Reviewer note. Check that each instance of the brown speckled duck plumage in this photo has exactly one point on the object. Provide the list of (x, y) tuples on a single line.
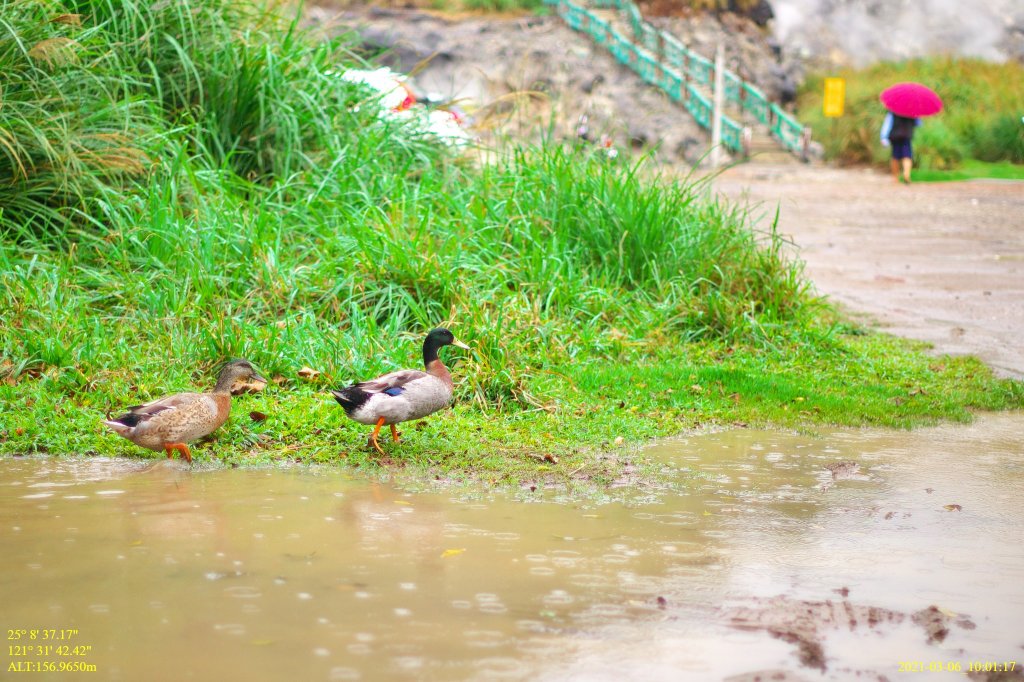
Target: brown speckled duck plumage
[(169, 423)]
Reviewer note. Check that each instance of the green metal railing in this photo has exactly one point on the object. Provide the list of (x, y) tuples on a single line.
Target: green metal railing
[(754, 103), (787, 129), (659, 58)]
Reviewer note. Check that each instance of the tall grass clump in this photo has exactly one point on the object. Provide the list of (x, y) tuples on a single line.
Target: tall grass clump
[(275, 220), (72, 129), (97, 93), (981, 119), (210, 65)]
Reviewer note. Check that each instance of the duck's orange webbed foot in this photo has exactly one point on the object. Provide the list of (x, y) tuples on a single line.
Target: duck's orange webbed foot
[(394, 434), (186, 454), (373, 436)]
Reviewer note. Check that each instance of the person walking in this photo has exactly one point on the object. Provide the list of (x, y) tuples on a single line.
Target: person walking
[(897, 132)]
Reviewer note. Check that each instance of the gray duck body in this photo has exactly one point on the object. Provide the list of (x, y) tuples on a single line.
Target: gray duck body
[(406, 394), (399, 397)]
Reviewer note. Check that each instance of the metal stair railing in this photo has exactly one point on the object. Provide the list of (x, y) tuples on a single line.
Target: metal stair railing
[(662, 60)]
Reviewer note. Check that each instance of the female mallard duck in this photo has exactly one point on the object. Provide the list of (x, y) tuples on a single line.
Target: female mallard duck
[(168, 423), (403, 395)]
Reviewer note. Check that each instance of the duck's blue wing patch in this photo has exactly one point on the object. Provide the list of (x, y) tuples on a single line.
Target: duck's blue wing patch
[(394, 390)]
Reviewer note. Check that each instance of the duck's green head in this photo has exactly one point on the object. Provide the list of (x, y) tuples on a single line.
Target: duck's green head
[(437, 339)]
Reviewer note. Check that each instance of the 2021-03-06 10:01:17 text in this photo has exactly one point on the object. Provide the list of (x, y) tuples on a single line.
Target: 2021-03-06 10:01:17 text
[(956, 666)]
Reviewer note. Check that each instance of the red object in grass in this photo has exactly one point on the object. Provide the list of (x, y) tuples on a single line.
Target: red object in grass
[(410, 98), (912, 100)]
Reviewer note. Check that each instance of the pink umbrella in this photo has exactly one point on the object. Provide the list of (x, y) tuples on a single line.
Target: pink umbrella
[(911, 100)]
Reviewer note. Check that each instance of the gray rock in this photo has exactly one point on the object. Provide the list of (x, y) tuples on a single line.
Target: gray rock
[(488, 61), (815, 152), (865, 31)]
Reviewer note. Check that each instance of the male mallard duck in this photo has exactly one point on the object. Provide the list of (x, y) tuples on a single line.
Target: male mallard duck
[(403, 395), (168, 423)]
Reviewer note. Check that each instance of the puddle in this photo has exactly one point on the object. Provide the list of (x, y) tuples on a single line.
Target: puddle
[(171, 574)]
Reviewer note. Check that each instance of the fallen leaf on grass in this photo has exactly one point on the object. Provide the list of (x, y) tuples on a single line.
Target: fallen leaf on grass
[(452, 552), (257, 416), (240, 387), (547, 457), (308, 373), (953, 507), (11, 378), (54, 51)]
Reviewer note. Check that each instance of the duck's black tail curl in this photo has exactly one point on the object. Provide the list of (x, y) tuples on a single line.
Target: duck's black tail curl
[(351, 398), (129, 419)]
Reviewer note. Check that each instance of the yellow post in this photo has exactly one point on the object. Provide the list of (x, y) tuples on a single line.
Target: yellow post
[(835, 97)]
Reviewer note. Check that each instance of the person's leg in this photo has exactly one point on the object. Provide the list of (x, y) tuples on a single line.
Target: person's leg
[(895, 169), (907, 163)]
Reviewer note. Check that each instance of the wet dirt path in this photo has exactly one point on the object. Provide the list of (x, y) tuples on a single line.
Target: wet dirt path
[(939, 262)]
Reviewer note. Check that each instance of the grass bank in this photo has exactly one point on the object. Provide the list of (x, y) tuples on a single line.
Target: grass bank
[(970, 169), (189, 182), (981, 121)]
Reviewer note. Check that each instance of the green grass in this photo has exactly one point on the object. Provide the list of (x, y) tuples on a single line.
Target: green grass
[(973, 170), (270, 215), (598, 411), (490, 5), (981, 119)]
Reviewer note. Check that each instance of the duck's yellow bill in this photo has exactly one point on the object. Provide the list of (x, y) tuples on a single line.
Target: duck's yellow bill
[(459, 344)]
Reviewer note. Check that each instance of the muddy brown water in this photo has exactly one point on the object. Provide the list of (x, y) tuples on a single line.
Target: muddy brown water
[(164, 573)]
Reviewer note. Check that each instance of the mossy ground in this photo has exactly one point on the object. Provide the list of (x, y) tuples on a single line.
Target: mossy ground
[(972, 170), (589, 435)]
